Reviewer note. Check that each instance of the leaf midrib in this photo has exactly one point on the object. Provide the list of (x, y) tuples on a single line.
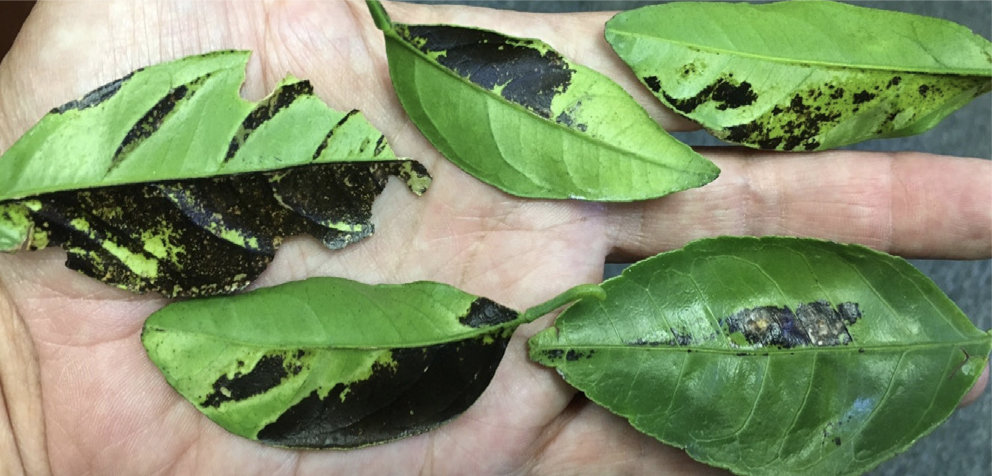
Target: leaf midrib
[(283, 345), (800, 63), (759, 352)]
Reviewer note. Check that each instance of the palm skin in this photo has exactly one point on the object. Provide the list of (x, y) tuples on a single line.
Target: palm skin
[(81, 396)]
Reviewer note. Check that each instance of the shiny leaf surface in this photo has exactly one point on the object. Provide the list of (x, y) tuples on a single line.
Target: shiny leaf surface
[(332, 363), (772, 355), (517, 115), (802, 75)]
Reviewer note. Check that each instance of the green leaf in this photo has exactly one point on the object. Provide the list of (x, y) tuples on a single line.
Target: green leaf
[(206, 236), (332, 363), (182, 119), (166, 180), (802, 75), (517, 115), (772, 355)]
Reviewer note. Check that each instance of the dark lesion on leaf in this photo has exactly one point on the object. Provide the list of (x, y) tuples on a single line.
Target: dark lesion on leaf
[(811, 324), (420, 389), (132, 237), (799, 124), (526, 75), (486, 313), (573, 355), (676, 338), (266, 109), (268, 373), (95, 97), (863, 97), (725, 92), (155, 117), (331, 132), (215, 235), (653, 83)]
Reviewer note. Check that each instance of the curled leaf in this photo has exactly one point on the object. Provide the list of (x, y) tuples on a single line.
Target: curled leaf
[(772, 355), (802, 75), (517, 115), (332, 363)]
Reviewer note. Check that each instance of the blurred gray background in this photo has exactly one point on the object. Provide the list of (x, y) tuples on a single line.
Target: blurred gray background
[(963, 445)]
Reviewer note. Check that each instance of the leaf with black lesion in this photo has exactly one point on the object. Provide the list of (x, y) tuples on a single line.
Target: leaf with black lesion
[(821, 357), (215, 235), (779, 85), (518, 115), (333, 363), (187, 189)]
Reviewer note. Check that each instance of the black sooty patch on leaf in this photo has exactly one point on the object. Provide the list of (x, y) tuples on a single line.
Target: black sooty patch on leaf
[(653, 83), (797, 124), (131, 236), (486, 313), (214, 235), (154, 117), (677, 338), (811, 324), (346, 211), (726, 92), (863, 97), (95, 97), (420, 389), (280, 99), (268, 373), (526, 75), (847, 110), (331, 131), (574, 355)]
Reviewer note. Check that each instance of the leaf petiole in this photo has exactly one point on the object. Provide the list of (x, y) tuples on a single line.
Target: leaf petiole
[(577, 293), (379, 15)]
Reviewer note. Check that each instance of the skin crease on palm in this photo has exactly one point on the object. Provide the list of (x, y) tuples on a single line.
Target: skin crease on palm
[(81, 397)]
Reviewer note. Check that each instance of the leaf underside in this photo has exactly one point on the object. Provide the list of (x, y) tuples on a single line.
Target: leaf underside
[(519, 116), (819, 87), (331, 363), (772, 355), (208, 236)]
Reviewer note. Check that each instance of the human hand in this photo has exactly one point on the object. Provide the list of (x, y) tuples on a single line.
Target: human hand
[(82, 397)]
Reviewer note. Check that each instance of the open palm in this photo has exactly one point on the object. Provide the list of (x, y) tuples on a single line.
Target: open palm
[(82, 397)]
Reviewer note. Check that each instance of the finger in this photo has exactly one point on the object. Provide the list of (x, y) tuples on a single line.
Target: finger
[(977, 389), (910, 204), (22, 426), (577, 36)]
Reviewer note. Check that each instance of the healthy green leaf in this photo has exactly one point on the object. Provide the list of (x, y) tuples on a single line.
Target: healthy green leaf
[(772, 356), (517, 115), (205, 236), (802, 75), (182, 119), (332, 363)]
